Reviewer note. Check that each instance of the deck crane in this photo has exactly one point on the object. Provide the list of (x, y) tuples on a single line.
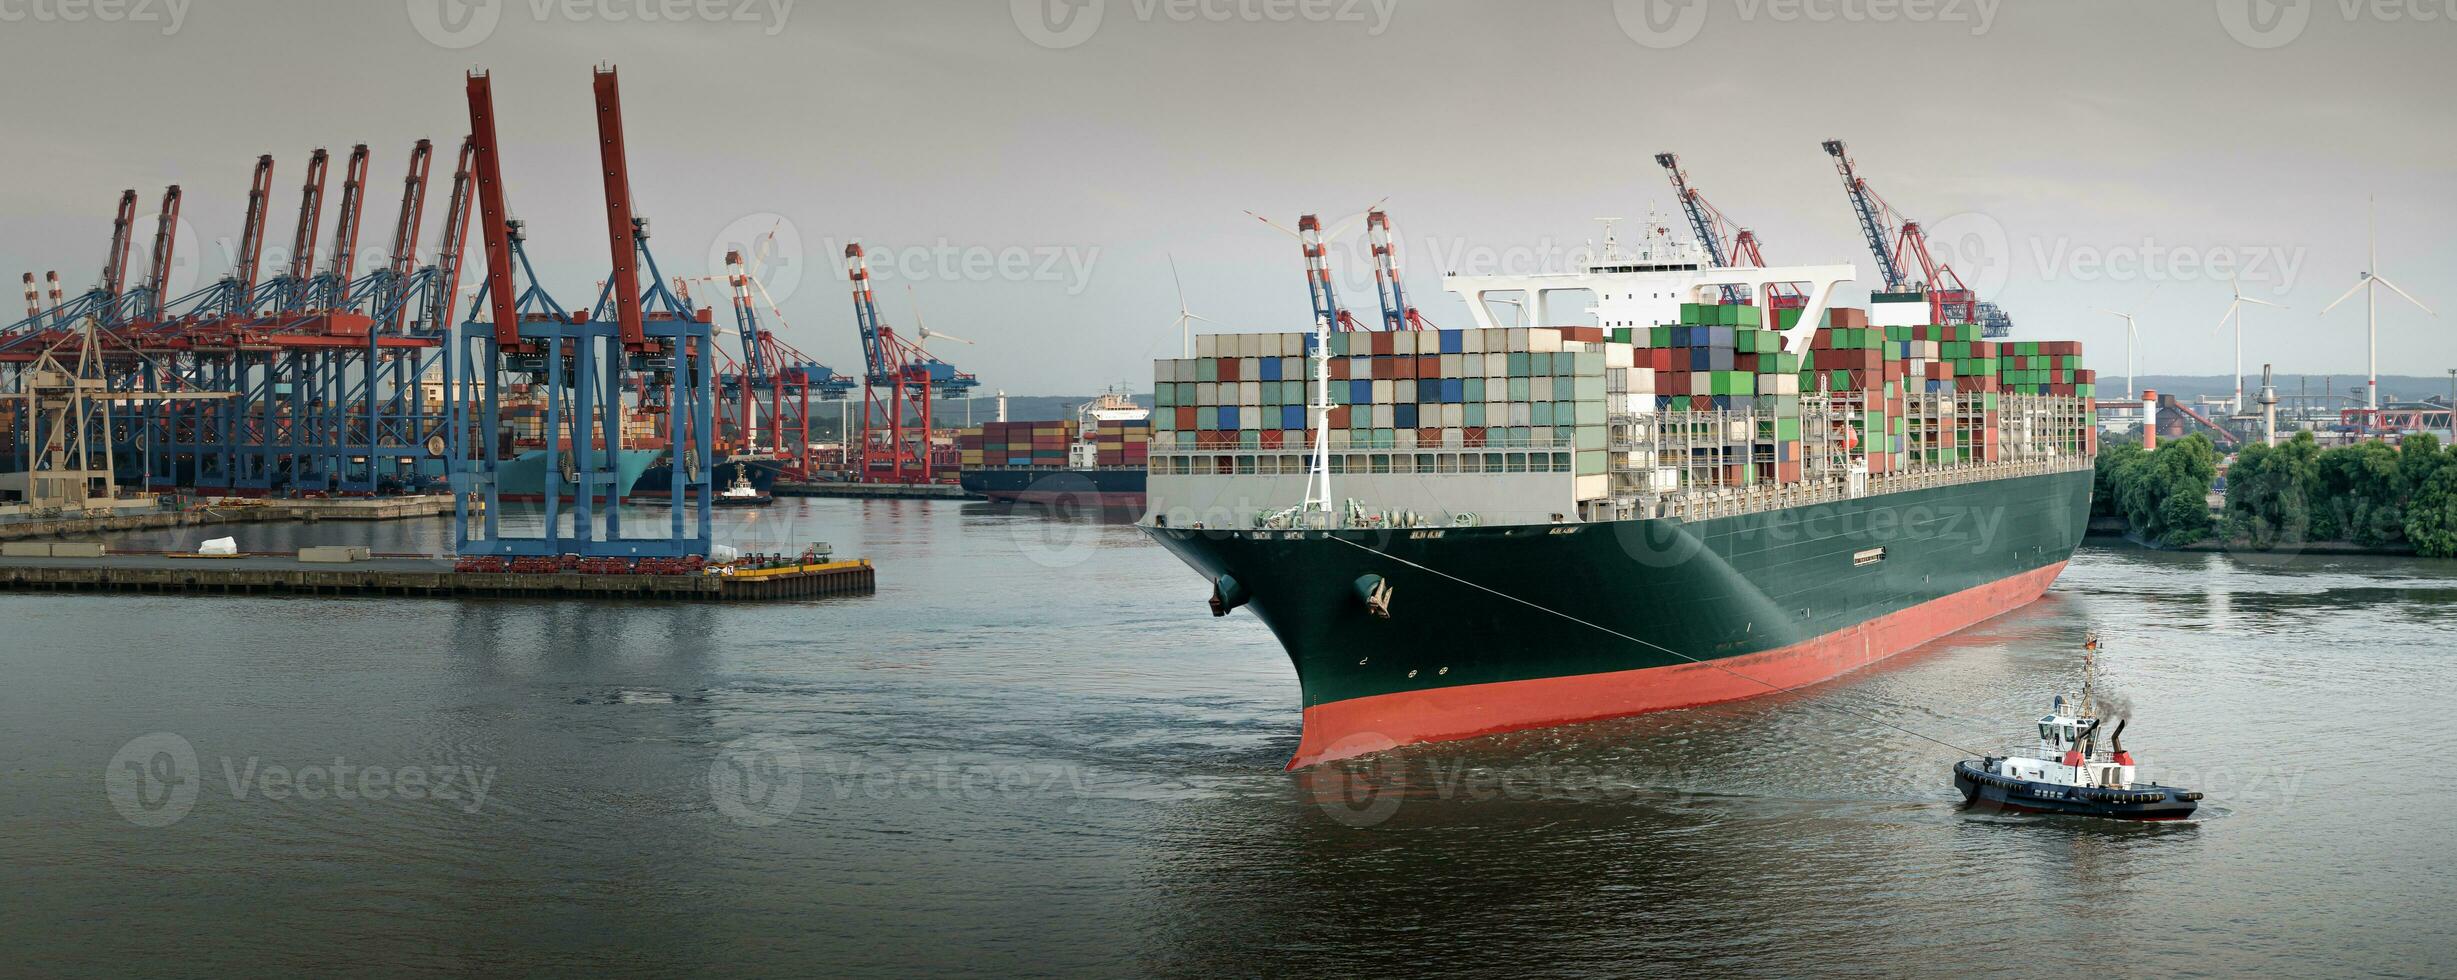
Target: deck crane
[(1727, 243), (1895, 239), (1396, 313), (898, 382), (637, 333), (1318, 275)]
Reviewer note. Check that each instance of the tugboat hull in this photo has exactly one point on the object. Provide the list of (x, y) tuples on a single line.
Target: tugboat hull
[(1982, 788)]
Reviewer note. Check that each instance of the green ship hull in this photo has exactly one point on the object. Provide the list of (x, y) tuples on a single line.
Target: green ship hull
[(1492, 629)]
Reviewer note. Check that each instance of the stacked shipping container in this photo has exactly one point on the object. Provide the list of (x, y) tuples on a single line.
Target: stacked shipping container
[(1115, 442), (1712, 400)]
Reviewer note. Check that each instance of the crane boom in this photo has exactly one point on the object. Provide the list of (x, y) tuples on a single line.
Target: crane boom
[(622, 231), (346, 223), (493, 225), (115, 265), (1396, 313), (251, 235), (1876, 217), (166, 233), (311, 217), (446, 297)]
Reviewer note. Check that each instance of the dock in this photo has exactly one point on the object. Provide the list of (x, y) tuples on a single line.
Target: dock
[(412, 576), (20, 526), (873, 491)]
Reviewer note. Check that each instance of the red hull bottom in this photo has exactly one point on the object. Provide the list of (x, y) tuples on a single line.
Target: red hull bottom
[(1360, 726)]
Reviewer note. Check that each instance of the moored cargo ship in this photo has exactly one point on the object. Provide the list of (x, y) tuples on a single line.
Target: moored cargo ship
[(1480, 530), (1098, 460)]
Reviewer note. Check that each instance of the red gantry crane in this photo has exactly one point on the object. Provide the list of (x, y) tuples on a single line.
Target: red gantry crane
[(899, 379), (1949, 301)]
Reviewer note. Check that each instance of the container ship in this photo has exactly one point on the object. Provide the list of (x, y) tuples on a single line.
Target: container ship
[(1463, 532), (1097, 460)]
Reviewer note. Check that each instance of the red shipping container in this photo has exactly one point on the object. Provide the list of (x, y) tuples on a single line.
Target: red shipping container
[(1381, 343), (1339, 416), (1385, 368), (1185, 419), (1474, 437), (1429, 365), (1228, 369), (1339, 369), (1426, 438), (1271, 439)]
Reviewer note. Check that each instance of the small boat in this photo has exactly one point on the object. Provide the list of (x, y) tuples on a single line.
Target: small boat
[(2070, 775), (743, 493)]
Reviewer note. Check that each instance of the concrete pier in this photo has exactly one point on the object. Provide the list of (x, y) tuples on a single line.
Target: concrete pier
[(876, 491), (21, 526), (286, 575)]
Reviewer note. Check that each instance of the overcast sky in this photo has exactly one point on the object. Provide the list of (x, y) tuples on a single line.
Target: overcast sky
[(1030, 171)]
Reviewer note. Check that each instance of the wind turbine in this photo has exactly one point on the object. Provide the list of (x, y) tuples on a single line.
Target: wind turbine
[(924, 329), (2132, 336), (2371, 308), (2236, 310), (1186, 317)]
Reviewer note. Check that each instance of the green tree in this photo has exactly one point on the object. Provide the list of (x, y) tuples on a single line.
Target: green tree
[(2163, 494), (2365, 489), (2431, 518), (2270, 489), (2112, 458)]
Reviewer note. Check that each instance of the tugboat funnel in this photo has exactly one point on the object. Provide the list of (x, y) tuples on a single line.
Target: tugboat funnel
[(1227, 594)]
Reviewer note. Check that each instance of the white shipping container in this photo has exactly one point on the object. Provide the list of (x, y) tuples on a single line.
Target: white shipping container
[(1404, 342), (1207, 345), (1250, 418), (1619, 356), (1382, 415), (1249, 368), (1404, 391), (1206, 393), (1454, 415), (1516, 340), (1249, 393), (1594, 487), (1383, 395), (1543, 340), (1339, 438), (1471, 341), (1449, 366), (1521, 414), (1496, 365), (1403, 439)]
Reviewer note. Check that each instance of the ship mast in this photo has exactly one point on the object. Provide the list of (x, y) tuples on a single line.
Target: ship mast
[(1318, 476)]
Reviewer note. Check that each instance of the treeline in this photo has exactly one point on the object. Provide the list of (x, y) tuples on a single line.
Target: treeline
[(2368, 493), (2162, 494)]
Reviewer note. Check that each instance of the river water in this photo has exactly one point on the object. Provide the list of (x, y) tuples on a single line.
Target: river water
[(1035, 751)]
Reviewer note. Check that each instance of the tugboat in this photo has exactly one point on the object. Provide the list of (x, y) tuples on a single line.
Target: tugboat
[(743, 492), (2069, 775)]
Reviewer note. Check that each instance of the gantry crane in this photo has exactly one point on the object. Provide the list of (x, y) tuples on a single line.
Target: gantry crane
[(899, 379), (1893, 238), (638, 335), (1728, 244), (1396, 313)]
